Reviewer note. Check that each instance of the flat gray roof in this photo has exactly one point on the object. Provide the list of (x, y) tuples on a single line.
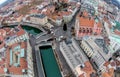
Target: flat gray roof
[(39, 15)]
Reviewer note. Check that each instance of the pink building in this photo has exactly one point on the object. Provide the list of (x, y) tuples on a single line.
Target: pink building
[(86, 25)]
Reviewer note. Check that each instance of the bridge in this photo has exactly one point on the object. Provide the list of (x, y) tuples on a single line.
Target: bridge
[(45, 44), (41, 34), (38, 26), (43, 38)]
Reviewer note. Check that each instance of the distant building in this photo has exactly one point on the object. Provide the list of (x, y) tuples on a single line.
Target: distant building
[(114, 44), (76, 59), (58, 15), (39, 19), (85, 25), (93, 3), (110, 8)]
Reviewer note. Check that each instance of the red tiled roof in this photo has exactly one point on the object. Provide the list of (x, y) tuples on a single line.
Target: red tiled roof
[(2, 70), (14, 45), (112, 64), (20, 32), (110, 73), (85, 13), (117, 32), (19, 7), (2, 32), (99, 24), (65, 12), (82, 75), (86, 22), (2, 42), (5, 63), (13, 69), (88, 69), (106, 63), (63, 1), (56, 16), (105, 74), (72, 3), (7, 29), (117, 63), (34, 11)]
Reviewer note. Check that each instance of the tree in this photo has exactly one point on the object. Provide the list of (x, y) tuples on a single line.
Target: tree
[(0, 42), (65, 27)]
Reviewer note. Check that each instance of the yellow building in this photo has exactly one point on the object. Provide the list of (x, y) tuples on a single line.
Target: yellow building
[(39, 19)]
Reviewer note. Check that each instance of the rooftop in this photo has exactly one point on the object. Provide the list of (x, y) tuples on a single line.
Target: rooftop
[(13, 60), (39, 16), (101, 44), (76, 58), (110, 73), (58, 14), (87, 21)]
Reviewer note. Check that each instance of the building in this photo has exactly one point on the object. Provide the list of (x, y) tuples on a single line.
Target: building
[(112, 32), (58, 13), (56, 18), (118, 17), (86, 25), (111, 8), (39, 19), (76, 59), (15, 53), (97, 51), (2, 32), (71, 11), (21, 35), (93, 3), (112, 66)]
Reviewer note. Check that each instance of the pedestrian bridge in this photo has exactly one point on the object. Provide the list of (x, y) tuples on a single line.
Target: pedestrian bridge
[(29, 24), (44, 38)]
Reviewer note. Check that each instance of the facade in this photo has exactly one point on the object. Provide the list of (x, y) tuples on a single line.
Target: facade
[(15, 53), (107, 29), (30, 61), (114, 43), (67, 17), (39, 19), (85, 25), (76, 59)]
